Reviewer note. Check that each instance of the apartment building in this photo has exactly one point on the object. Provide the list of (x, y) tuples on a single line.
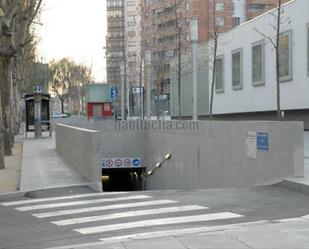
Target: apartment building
[(133, 56), (123, 49), (115, 40), (258, 7)]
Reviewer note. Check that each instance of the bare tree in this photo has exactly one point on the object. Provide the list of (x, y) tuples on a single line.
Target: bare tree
[(66, 78), (275, 42), (81, 75), (179, 30), (215, 48), (159, 49), (15, 20)]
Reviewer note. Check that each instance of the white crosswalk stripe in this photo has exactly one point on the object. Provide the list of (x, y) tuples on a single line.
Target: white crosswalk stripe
[(102, 208), (129, 214), (15, 203), (74, 203), (113, 212), (158, 222)]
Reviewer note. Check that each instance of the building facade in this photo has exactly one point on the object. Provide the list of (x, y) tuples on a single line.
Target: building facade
[(162, 27), (133, 56), (124, 51), (115, 40), (166, 33), (246, 74)]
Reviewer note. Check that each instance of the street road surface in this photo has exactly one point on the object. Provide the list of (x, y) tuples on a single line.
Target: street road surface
[(91, 217)]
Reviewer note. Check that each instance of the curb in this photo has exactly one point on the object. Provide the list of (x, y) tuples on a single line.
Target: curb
[(297, 186)]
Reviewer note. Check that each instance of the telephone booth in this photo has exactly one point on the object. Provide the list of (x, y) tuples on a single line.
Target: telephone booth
[(44, 111)]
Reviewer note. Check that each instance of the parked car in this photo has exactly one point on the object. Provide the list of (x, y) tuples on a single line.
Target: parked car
[(59, 115)]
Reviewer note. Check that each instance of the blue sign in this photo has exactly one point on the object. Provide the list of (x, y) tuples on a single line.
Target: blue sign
[(136, 162), (114, 93), (262, 141), (37, 89), (124, 162)]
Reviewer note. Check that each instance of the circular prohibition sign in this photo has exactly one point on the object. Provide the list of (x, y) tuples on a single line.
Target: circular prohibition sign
[(109, 163)]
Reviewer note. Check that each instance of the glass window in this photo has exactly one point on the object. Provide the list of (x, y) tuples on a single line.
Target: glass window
[(237, 69), (236, 21), (187, 6), (285, 56), (220, 21), (258, 63), (219, 74), (131, 3), (219, 6), (131, 23), (257, 7)]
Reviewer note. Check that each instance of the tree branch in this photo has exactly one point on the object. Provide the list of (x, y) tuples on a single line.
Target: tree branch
[(266, 37), (38, 6)]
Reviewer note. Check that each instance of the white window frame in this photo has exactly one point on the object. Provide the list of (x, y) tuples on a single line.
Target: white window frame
[(307, 34), (220, 90), (290, 76), (240, 86), (261, 82)]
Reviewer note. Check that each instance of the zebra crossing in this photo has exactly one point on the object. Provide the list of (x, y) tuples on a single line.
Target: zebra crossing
[(101, 213)]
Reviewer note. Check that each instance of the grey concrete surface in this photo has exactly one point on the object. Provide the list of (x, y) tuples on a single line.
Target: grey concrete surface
[(301, 183), (212, 156), (215, 155), (81, 147), (306, 144), (43, 167)]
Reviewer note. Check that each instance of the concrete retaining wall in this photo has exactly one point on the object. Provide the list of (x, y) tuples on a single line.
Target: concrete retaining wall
[(215, 155), (82, 148), (212, 156)]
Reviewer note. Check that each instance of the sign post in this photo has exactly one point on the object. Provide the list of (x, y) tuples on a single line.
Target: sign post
[(114, 96), (37, 92)]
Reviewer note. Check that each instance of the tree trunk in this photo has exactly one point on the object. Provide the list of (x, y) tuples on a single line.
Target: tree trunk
[(62, 105), (279, 116), (214, 60), (179, 74), (213, 79), (16, 109), (6, 105), (2, 164)]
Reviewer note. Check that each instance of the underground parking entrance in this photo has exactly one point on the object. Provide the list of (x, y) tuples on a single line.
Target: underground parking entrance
[(123, 179)]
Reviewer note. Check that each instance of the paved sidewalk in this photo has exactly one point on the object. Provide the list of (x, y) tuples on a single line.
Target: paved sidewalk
[(43, 167), (10, 175), (281, 234)]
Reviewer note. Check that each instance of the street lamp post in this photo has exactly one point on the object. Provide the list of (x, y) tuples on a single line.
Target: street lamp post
[(79, 99), (194, 40), (148, 84)]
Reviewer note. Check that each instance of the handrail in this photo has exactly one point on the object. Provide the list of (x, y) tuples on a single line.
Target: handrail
[(158, 165)]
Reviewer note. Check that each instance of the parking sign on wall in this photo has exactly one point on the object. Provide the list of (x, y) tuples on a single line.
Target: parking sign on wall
[(124, 162)]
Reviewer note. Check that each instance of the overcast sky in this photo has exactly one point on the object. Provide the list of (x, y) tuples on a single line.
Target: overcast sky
[(76, 29)]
